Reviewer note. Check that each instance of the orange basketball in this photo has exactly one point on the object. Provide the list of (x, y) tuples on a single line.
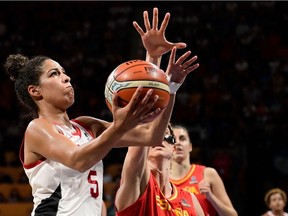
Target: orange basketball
[(125, 79)]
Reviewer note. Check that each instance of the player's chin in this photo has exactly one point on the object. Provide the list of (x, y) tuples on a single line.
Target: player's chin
[(67, 103), (71, 100)]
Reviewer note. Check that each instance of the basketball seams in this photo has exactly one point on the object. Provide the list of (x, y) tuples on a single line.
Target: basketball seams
[(108, 92), (132, 66), (117, 86)]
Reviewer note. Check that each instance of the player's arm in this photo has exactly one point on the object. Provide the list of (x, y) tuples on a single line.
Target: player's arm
[(103, 209), (154, 39), (134, 177), (198, 209), (177, 71), (144, 134), (156, 45), (214, 189), (42, 139), (135, 173)]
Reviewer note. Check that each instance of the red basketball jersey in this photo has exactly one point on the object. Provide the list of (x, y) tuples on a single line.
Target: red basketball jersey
[(153, 202), (190, 183)]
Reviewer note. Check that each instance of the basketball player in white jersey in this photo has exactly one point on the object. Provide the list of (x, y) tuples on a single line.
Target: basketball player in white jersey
[(62, 157)]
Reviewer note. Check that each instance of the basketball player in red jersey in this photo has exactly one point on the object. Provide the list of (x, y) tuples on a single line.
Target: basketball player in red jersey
[(203, 181), (145, 188)]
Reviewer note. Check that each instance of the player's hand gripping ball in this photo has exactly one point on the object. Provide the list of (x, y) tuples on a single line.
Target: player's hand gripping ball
[(125, 79)]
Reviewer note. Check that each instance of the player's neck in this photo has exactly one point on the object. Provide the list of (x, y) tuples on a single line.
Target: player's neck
[(61, 119), (179, 170), (162, 175), (155, 168)]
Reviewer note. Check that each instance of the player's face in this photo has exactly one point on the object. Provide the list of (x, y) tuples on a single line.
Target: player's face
[(55, 88), (183, 146), (165, 149)]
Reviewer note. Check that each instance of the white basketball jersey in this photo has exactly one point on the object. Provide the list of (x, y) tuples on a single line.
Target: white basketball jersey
[(62, 191)]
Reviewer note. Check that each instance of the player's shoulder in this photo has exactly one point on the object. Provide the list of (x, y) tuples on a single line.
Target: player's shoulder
[(211, 171), (40, 126), (38, 123)]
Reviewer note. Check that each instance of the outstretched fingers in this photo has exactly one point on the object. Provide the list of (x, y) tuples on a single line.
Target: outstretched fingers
[(164, 23), (141, 107), (182, 58), (186, 64), (191, 68), (143, 104), (136, 96), (146, 21), (146, 97), (155, 19), (138, 28), (172, 55), (177, 71), (189, 62), (146, 108)]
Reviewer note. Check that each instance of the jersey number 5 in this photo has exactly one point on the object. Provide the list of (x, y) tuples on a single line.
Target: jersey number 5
[(94, 190)]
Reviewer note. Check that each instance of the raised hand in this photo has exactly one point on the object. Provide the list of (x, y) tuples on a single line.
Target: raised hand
[(154, 39), (177, 71)]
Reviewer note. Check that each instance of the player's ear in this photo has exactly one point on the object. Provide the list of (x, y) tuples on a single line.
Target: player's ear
[(34, 91), (190, 147)]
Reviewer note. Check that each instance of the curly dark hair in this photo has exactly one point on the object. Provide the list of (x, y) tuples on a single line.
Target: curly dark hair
[(24, 72)]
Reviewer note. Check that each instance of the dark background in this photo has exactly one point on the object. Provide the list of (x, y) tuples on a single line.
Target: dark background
[(235, 104)]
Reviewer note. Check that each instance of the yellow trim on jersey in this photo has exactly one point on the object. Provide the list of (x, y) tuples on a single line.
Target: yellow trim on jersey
[(187, 176), (175, 193)]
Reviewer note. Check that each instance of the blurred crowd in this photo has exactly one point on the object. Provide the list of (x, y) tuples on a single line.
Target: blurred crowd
[(235, 104)]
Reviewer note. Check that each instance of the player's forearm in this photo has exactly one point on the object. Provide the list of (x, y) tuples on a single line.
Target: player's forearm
[(220, 207), (159, 125), (154, 60), (88, 155)]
